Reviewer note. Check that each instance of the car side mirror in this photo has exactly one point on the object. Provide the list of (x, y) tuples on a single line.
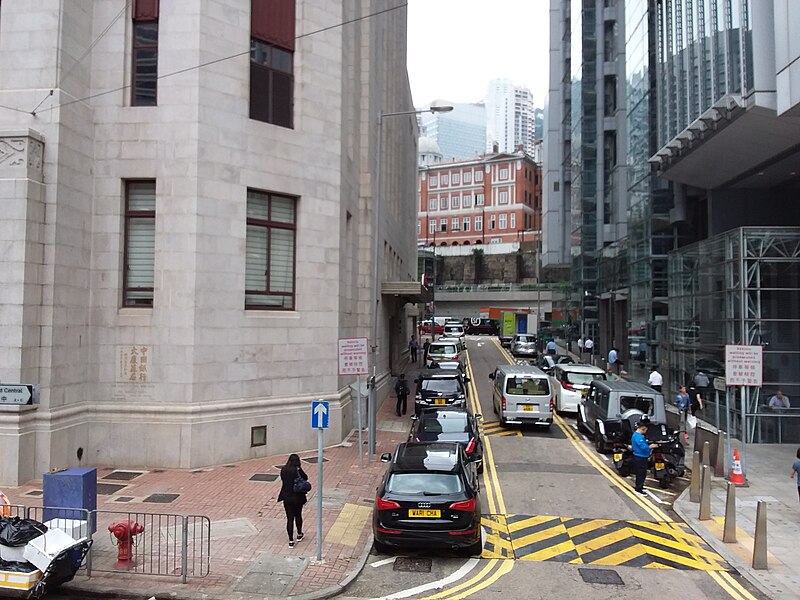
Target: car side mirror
[(478, 416), (386, 457)]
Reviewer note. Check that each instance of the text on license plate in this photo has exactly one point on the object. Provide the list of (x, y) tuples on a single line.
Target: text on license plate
[(529, 407), (440, 401), (618, 457), (425, 513), (659, 466)]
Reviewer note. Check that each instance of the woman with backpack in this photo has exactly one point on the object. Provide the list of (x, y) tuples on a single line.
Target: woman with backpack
[(294, 487)]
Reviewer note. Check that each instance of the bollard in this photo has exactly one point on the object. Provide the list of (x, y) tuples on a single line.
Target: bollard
[(705, 495), (719, 467), (705, 457), (760, 542), (694, 486), (729, 533)]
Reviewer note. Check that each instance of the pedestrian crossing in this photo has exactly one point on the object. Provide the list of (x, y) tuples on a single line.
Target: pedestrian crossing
[(494, 429), (645, 544)]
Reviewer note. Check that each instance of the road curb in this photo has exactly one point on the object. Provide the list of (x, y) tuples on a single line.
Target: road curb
[(682, 507), (346, 582)]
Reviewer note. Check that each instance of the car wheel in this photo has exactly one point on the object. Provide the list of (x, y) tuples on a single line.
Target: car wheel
[(623, 471), (598, 441), (381, 548), (475, 549), (579, 421), (480, 468)]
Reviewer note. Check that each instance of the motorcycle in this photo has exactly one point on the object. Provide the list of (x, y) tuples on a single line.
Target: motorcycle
[(666, 459)]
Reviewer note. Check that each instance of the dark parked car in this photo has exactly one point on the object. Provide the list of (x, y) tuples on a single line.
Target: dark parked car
[(450, 425), (440, 387), (547, 362), (428, 499), (477, 326)]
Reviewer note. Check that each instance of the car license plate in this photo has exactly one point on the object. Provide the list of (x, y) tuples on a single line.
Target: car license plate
[(584, 393), (659, 466), (529, 407), (617, 456), (440, 401), (424, 513)]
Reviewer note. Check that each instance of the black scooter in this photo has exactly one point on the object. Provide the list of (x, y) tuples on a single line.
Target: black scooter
[(666, 460)]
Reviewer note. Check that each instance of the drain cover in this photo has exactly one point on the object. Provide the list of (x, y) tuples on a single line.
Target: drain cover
[(123, 475), (606, 576), (412, 565), (106, 489), (313, 459), (264, 477), (161, 498)]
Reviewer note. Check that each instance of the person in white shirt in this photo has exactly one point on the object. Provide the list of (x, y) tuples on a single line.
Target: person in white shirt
[(580, 347), (655, 380), (779, 400), (588, 346)]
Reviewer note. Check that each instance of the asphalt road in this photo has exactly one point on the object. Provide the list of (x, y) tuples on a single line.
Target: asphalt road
[(558, 523)]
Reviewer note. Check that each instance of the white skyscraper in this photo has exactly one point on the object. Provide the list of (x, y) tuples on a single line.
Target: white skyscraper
[(509, 117)]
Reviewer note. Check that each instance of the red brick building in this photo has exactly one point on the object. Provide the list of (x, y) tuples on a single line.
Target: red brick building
[(490, 199)]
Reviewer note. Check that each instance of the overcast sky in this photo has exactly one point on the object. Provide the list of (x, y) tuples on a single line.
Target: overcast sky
[(455, 47)]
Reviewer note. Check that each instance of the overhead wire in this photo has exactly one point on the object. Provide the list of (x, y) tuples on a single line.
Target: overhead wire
[(84, 55), (225, 58)]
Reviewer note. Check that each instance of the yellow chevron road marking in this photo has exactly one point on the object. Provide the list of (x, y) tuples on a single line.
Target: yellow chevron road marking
[(603, 541), (540, 536), (588, 526), (529, 522)]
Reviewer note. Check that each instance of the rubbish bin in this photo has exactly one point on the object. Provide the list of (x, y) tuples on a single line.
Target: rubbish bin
[(71, 488)]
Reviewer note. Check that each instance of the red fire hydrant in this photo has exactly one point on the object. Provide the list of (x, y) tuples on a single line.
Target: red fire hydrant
[(125, 531)]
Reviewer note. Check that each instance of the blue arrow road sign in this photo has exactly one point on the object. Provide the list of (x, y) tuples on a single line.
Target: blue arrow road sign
[(319, 414)]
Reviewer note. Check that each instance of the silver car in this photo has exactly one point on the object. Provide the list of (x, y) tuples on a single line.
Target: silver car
[(524, 344)]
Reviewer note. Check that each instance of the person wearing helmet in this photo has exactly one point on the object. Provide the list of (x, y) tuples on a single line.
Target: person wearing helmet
[(641, 454)]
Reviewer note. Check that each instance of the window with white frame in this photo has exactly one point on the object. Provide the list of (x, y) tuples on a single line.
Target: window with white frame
[(456, 178), (513, 221), (443, 203), (492, 222), (432, 204), (502, 221), (443, 225), (502, 197), (466, 201), (479, 200), (466, 223), (419, 227), (503, 174), (455, 201), (270, 251), (454, 224), (432, 226), (478, 176), (467, 176), (433, 181), (478, 223), (445, 179), (496, 240)]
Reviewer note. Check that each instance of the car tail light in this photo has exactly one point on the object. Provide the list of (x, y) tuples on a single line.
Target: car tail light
[(658, 456), (381, 504), (552, 403), (465, 505), (567, 386), (503, 403), (389, 531), (471, 446), (464, 532)]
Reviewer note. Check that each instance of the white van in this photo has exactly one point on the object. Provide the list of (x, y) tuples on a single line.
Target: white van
[(522, 394), (571, 384)]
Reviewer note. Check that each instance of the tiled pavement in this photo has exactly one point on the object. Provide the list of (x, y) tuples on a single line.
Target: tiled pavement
[(250, 556)]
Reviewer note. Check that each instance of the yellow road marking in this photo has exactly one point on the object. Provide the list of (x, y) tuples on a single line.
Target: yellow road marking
[(551, 551), (483, 573), (698, 552), (588, 526), (731, 581), (655, 565), (505, 567), (539, 536), (530, 522), (603, 541)]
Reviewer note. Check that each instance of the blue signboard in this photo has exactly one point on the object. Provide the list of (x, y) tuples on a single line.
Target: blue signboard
[(319, 414)]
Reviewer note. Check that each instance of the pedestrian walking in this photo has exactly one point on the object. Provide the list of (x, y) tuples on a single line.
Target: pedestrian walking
[(425, 347), (683, 401), (655, 380), (551, 347), (695, 401), (588, 345), (293, 501), (795, 472), (613, 360), (701, 380), (641, 455), (413, 347), (580, 348), (401, 391)]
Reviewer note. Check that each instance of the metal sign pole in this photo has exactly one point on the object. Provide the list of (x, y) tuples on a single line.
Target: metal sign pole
[(744, 432), (319, 491), (358, 425)]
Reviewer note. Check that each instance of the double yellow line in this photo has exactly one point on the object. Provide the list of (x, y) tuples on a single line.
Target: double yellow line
[(495, 568)]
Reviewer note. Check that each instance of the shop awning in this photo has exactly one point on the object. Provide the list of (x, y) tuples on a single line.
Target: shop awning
[(410, 291)]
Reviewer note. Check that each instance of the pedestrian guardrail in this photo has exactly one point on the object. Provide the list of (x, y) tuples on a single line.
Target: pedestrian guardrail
[(137, 543)]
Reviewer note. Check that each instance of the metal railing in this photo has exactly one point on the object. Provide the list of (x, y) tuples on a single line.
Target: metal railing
[(169, 545)]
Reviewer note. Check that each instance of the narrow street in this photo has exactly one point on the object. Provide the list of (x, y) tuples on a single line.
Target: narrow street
[(556, 513)]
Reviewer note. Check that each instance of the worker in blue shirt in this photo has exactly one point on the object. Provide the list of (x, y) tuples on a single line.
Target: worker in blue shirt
[(641, 455), (551, 347)]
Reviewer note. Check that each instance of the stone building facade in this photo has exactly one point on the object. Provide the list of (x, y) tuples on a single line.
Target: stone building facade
[(192, 344)]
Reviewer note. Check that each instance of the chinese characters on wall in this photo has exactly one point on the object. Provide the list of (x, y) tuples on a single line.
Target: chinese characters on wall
[(133, 363)]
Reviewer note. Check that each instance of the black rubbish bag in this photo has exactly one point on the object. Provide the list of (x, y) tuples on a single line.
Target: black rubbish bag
[(18, 532), (16, 567)]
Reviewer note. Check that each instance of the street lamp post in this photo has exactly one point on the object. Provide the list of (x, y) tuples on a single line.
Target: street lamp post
[(376, 292)]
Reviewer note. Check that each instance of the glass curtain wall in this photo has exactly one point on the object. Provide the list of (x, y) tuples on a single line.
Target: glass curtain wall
[(739, 288), (583, 158)]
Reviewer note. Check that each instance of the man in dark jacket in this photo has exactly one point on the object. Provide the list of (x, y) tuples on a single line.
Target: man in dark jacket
[(292, 501), (401, 390)]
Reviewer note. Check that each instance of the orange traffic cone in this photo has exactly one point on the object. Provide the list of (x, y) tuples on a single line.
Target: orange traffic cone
[(736, 476)]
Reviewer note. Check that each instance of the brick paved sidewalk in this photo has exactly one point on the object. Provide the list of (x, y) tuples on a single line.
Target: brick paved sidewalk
[(250, 556)]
